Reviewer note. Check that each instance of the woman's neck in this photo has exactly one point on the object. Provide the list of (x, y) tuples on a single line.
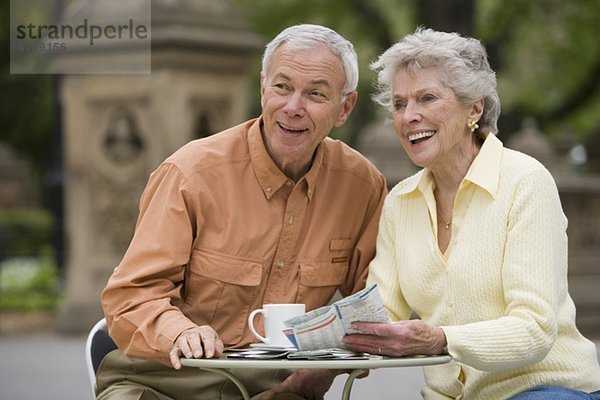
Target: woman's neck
[(449, 174)]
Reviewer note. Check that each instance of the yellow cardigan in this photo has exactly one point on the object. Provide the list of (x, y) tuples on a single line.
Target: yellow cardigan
[(500, 291)]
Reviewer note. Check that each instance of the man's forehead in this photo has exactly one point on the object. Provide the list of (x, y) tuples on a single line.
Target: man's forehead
[(315, 82), (319, 61)]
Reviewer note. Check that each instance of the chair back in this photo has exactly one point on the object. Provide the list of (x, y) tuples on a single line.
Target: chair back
[(97, 345)]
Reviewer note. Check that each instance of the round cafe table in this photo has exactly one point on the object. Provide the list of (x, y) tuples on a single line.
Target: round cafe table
[(221, 365)]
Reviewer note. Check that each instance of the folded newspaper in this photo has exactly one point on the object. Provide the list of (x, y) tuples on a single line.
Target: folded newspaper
[(325, 327), (324, 354)]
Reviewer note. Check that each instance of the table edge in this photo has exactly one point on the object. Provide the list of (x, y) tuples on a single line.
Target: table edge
[(386, 362)]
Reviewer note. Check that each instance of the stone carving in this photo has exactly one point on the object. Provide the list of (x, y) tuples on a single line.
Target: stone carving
[(122, 142), (115, 209), (530, 140), (117, 176), (210, 116)]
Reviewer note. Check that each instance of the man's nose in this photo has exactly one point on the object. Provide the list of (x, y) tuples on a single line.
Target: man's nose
[(295, 105)]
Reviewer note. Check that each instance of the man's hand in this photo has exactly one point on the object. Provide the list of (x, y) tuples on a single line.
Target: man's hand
[(198, 342), (310, 384)]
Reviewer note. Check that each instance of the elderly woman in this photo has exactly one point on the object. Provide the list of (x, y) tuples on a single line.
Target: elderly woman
[(475, 243)]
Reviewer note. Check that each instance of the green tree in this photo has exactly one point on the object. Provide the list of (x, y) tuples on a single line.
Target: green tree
[(26, 105), (546, 52)]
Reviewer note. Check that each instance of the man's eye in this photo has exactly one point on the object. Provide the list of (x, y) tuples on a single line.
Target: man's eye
[(281, 86), (428, 97), (316, 93)]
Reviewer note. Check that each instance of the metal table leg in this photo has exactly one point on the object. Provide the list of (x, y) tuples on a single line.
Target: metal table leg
[(349, 381), (232, 378)]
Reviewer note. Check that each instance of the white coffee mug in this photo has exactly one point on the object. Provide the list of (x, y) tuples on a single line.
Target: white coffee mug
[(274, 315)]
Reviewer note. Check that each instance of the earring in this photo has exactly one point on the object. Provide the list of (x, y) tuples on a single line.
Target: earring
[(472, 126)]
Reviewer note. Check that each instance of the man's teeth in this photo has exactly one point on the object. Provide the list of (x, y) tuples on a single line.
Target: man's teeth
[(291, 129), (421, 135)]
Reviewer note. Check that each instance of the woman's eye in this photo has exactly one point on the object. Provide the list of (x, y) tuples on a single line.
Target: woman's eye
[(399, 105)]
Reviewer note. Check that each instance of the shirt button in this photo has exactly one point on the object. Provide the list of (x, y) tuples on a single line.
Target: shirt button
[(288, 183), (291, 220), (450, 304), (280, 264), (268, 189), (309, 192)]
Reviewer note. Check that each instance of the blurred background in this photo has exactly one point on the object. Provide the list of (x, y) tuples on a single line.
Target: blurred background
[(76, 149)]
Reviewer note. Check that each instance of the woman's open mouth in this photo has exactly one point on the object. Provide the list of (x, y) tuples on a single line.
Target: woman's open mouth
[(420, 137)]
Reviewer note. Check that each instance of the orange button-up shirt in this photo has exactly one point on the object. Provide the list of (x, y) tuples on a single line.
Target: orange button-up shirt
[(222, 231)]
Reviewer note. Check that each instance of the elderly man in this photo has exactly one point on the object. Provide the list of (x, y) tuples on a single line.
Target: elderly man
[(269, 211)]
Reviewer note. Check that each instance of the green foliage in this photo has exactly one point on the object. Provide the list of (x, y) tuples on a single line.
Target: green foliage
[(24, 232), (549, 52), (26, 104), (29, 284), (545, 52), (29, 278), (368, 25)]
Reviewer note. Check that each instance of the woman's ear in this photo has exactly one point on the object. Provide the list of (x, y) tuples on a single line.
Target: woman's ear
[(476, 110)]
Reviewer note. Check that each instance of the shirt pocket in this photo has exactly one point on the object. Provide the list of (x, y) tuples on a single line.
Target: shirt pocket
[(340, 244), (220, 290), (319, 280)]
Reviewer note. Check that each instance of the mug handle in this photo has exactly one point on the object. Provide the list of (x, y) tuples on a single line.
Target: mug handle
[(251, 324)]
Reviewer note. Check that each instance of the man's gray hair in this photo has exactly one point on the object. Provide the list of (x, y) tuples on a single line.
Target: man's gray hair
[(308, 36), (463, 66)]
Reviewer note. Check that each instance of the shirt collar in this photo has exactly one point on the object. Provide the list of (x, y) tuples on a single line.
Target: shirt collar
[(484, 171), (268, 174)]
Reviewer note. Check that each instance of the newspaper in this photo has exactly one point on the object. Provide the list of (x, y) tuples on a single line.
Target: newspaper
[(325, 327), (324, 354)]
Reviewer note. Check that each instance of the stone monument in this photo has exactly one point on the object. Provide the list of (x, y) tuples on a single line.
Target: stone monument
[(379, 143), (119, 127)]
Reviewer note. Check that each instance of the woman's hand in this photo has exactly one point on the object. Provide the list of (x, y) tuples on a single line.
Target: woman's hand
[(200, 342), (404, 338)]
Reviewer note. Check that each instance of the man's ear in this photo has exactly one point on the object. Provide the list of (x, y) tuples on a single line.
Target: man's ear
[(347, 107), (262, 88)]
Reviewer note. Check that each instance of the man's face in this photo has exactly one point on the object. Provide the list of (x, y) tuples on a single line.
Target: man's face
[(302, 100)]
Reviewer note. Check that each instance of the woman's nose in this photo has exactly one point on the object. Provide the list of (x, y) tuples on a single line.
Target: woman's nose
[(411, 113)]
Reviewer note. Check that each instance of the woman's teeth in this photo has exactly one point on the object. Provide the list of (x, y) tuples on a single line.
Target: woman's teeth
[(420, 135)]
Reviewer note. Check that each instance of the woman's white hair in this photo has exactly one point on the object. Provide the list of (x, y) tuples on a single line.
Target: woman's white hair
[(308, 36), (463, 66)]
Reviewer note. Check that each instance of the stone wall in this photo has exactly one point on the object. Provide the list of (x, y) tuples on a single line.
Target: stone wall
[(581, 203)]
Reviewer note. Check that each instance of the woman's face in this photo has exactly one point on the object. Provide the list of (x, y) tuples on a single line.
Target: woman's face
[(429, 119)]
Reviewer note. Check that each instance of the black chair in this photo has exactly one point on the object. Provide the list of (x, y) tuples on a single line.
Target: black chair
[(98, 345)]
